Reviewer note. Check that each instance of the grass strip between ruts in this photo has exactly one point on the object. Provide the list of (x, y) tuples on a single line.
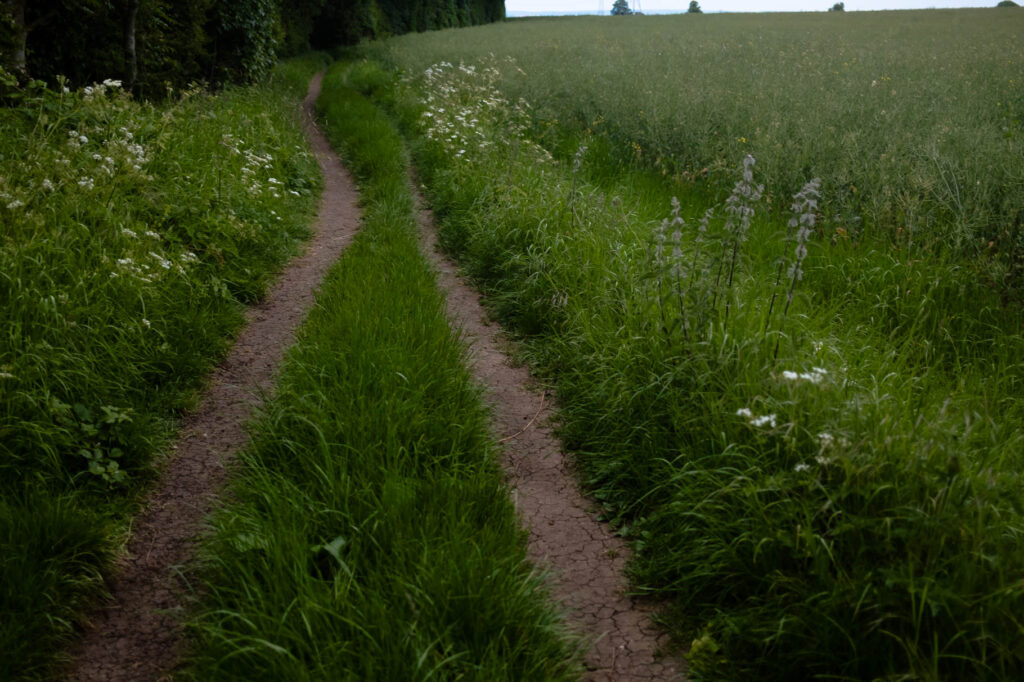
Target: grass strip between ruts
[(371, 535)]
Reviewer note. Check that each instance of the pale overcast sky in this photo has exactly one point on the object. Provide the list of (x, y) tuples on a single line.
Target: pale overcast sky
[(570, 6)]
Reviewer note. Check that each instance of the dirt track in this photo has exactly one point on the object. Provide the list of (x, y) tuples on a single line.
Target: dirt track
[(585, 559), (137, 636)]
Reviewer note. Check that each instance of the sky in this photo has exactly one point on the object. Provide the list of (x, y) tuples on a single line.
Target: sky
[(571, 6)]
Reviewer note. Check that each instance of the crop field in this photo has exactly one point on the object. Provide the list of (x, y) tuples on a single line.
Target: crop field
[(912, 120), (773, 265)]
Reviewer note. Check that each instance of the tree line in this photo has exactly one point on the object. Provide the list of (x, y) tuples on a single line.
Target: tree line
[(150, 44)]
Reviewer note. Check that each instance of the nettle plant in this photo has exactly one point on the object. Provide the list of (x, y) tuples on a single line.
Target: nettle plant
[(694, 285)]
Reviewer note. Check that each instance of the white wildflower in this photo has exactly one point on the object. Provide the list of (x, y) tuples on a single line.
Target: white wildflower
[(815, 376), (802, 466), (757, 420), (145, 323), (47, 185), (17, 203), (160, 260), (804, 207)]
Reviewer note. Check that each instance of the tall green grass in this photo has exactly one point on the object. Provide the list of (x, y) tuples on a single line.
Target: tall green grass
[(133, 234), (371, 536), (857, 521)]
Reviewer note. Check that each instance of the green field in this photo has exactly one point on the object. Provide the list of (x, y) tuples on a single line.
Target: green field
[(911, 119), (806, 412)]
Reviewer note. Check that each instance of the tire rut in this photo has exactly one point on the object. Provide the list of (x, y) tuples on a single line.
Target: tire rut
[(138, 634), (586, 560)]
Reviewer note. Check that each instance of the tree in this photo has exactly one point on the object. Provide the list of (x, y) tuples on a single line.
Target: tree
[(838, 7), (1007, 3), (694, 8), (620, 8), (15, 36)]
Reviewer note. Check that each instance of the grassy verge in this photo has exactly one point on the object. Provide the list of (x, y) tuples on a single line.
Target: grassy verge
[(813, 440), (372, 537), (133, 234)]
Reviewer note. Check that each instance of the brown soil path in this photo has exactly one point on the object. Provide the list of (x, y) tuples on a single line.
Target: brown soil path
[(138, 634), (586, 560)]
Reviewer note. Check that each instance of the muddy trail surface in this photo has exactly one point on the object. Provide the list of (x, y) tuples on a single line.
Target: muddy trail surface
[(585, 559), (138, 634)]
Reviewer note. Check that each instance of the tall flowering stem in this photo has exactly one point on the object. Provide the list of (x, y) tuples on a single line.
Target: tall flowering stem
[(740, 209), (805, 211), (577, 166), (659, 266), (671, 264), (677, 224)]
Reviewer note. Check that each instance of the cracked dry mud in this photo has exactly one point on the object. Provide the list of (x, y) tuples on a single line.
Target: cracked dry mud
[(137, 636), (586, 560)]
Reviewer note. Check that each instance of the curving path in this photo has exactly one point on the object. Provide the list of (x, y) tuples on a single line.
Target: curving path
[(137, 636)]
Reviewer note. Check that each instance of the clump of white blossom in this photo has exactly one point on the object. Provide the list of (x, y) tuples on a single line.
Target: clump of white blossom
[(815, 376), (755, 420), (466, 113)]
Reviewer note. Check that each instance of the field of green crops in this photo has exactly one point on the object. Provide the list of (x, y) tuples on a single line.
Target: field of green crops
[(773, 266)]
